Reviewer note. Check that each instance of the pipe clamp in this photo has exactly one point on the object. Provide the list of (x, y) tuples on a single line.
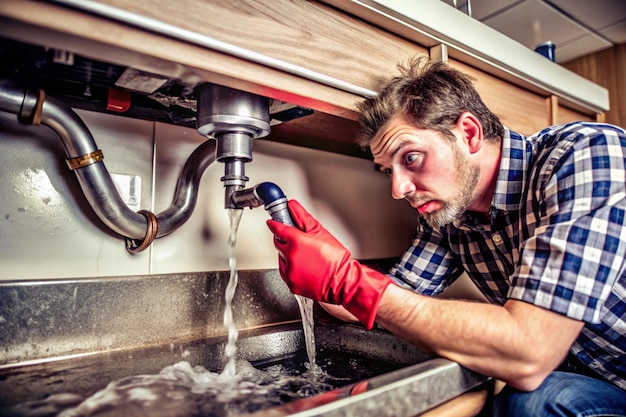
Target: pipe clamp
[(134, 246), (84, 160)]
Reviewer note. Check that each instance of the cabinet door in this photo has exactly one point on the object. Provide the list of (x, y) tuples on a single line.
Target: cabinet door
[(521, 110), (559, 113), (566, 115)]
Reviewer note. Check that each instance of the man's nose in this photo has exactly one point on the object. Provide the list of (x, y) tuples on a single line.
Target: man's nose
[(401, 185)]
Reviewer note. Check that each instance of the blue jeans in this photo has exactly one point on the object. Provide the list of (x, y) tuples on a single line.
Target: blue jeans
[(563, 394)]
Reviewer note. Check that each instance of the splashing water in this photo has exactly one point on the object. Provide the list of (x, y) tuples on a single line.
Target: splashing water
[(183, 390)]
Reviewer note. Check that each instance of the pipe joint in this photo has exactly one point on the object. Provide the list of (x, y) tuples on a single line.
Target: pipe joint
[(32, 107), (267, 194)]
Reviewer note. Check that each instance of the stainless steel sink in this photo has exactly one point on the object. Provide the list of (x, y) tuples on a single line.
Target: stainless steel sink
[(64, 340), (393, 377)]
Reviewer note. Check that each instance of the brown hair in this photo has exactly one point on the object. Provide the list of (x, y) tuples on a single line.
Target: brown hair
[(432, 95)]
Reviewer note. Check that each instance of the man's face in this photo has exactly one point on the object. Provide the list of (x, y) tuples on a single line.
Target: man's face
[(427, 169)]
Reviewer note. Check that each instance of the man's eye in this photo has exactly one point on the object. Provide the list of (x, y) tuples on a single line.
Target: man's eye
[(410, 158)]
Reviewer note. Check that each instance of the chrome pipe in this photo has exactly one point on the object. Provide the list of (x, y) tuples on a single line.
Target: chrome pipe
[(93, 176), (74, 134), (186, 194), (12, 97), (234, 118)]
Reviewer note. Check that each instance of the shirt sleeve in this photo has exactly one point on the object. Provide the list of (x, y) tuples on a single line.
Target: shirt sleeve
[(427, 266), (576, 251)]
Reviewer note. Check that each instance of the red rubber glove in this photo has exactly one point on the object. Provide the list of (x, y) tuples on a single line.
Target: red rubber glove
[(315, 265)]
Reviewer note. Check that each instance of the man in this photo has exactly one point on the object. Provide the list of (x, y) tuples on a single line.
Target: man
[(536, 222)]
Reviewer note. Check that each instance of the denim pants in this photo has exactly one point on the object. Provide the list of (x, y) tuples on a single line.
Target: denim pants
[(563, 394)]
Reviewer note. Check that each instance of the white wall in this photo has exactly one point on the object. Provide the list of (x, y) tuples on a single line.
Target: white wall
[(47, 229)]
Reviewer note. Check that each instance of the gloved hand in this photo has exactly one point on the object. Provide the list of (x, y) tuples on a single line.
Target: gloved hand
[(315, 265)]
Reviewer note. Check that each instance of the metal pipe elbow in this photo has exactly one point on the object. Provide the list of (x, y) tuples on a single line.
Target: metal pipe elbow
[(269, 195), (85, 159)]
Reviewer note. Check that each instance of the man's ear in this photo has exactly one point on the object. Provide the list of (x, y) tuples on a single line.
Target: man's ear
[(471, 130)]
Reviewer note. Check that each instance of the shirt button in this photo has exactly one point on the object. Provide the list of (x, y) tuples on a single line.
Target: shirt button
[(497, 239)]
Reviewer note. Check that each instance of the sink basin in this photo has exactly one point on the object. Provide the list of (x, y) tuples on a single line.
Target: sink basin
[(365, 369)]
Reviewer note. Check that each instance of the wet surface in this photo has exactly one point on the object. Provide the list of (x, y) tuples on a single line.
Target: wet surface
[(186, 390), (174, 379)]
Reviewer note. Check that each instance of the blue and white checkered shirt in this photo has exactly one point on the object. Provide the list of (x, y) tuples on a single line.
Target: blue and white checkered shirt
[(557, 238)]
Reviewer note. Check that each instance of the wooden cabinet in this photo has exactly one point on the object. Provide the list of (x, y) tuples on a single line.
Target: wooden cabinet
[(563, 114), (608, 69), (308, 53), (566, 115), (301, 52), (519, 109)]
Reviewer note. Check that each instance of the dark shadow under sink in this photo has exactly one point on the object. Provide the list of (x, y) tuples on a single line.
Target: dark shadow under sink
[(362, 372)]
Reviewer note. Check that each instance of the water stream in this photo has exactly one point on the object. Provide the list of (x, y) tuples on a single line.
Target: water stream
[(305, 306), (231, 347), (306, 311)]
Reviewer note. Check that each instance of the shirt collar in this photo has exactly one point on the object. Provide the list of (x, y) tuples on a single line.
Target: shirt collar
[(509, 190)]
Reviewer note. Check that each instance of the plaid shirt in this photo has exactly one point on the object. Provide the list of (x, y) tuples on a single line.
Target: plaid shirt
[(557, 238)]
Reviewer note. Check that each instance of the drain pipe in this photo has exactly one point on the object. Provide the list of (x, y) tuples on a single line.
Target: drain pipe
[(85, 159), (268, 195)]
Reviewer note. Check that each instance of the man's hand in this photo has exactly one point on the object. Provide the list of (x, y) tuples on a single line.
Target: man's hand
[(315, 265)]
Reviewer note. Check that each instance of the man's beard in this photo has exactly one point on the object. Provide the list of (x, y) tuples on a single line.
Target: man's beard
[(453, 208)]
